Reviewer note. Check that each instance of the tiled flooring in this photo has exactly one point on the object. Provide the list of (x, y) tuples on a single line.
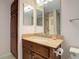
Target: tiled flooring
[(8, 57)]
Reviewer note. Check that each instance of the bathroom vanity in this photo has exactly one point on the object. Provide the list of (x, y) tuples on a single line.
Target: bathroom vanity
[(40, 46), (41, 16)]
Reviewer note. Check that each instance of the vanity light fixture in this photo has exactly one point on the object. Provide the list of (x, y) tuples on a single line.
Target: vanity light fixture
[(28, 8)]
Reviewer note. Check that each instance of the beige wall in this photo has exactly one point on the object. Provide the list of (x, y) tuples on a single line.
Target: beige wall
[(5, 27), (70, 30)]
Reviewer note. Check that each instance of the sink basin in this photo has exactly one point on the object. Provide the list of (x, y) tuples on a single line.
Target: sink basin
[(39, 37)]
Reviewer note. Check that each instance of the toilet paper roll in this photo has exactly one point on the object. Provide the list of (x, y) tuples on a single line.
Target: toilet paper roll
[(59, 51)]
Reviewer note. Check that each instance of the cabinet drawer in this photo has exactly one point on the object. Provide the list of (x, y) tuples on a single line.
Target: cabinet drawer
[(43, 51), (36, 56)]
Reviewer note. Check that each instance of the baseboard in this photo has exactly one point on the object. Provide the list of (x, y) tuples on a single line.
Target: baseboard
[(5, 55)]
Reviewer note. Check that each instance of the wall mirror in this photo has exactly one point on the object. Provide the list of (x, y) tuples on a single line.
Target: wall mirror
[(28, 15), (52, 16), (45, 13), (39, 17)]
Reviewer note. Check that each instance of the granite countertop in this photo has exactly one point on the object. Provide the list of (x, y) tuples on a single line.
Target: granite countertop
[(45, 41)]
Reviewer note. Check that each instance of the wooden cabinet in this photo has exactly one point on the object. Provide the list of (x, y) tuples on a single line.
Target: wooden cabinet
[(27, 50), (36, 56), (39, 49), (14, 29), (35, 51), (27, 54)]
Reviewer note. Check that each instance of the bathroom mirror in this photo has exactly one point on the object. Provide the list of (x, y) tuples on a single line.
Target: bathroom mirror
[(28, 15), (44, 15), (39, 17), (52, 17)]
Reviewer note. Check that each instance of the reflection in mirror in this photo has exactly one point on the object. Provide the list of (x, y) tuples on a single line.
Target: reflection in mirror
[(39, 17), (44, 15), (52, 17), (28, 15)]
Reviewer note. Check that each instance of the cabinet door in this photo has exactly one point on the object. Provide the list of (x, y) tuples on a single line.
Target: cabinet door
[(39, 49), (27, 54), (36, 56)]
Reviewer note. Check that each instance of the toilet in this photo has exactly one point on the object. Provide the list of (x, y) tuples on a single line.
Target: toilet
[(74, 53)]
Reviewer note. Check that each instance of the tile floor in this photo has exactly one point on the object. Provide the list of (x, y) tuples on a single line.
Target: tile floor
[(8, 57)]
